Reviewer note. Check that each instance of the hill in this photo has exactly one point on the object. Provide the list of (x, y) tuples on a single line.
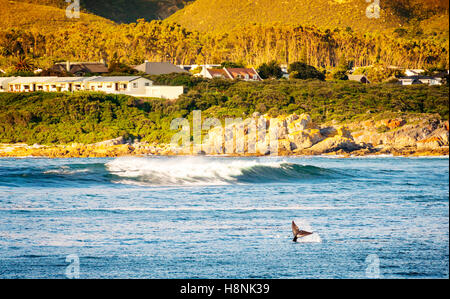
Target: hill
[(22, 15), (224, 15), (122, 11)]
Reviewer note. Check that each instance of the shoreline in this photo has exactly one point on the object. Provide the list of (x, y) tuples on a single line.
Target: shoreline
[(127, 150)]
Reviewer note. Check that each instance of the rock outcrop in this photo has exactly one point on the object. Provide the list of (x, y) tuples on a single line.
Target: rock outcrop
[(284, 135)]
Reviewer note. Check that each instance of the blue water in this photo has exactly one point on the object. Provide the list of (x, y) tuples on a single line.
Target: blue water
[(225, 217)]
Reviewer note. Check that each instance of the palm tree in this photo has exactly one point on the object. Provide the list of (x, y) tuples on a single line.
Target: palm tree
[(23, 64)]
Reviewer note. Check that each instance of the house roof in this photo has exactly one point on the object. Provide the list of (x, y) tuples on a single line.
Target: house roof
[(32, 80), (242, 72), (84, 67), (159, 68), (219, 73), (419, 78), (41, 80), (72, 79), (115, 79), (7, 79), (357, 77)]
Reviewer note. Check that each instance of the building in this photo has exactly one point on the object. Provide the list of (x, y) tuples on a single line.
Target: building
[(412, 80), (429, 80), (359, 78), (246, 74), (159, 68), (81, 68), (30, 84), (129, 85), (4, 87)]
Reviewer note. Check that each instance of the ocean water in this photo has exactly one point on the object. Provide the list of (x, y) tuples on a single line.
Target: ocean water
[(186, 217)]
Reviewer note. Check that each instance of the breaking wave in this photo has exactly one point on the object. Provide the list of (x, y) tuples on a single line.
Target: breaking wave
[(204, 171)]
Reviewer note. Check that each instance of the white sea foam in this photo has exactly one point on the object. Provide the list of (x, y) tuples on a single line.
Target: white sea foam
[(183, 171), (314, 238)]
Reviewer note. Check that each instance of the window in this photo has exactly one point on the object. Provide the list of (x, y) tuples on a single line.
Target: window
[(147, 84), (53, 86), (26, 86), (135, 85), (255, 77), (109, 86), (247, 77), (100, 86), (124, 86)]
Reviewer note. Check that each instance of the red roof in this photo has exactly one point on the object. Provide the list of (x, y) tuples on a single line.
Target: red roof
[(218, 73), (235, 73), (242, 73)]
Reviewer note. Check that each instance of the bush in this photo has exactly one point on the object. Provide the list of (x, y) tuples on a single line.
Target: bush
[(300, 70), (270, 70)]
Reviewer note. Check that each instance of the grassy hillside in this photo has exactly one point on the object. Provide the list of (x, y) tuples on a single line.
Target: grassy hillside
[(226, 14), (123, 11), (21, 15), (48, 118)]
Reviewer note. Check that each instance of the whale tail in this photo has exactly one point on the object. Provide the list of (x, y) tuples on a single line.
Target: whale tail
[(298, 233)]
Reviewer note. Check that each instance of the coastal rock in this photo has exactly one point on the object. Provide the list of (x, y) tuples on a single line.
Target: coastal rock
[(280, 125), (393, 123), (334, 144), (117, 141), (300, 123), (305, 139)]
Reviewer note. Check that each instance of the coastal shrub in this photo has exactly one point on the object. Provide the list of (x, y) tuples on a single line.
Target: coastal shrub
[(87, 117)]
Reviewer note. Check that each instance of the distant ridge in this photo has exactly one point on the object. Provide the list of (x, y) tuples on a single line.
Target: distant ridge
[(123, 11)]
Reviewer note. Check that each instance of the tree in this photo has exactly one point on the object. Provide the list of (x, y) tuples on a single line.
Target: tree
[(300, 70), (270, 70), (340, 73), (23, 64)]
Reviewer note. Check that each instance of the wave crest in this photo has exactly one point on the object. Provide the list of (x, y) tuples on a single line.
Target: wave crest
[(206, 171)]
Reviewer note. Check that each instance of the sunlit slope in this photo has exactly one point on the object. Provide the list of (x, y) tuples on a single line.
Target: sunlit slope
[(20, 15), (226, 14)]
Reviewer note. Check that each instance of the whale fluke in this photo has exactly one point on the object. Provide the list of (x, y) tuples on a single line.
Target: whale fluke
[(298, 233)]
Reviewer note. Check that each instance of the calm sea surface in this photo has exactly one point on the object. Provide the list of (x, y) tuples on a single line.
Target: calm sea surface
[(225, 217)]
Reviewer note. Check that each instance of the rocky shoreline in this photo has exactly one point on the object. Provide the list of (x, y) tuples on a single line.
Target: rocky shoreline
[(416, 135)]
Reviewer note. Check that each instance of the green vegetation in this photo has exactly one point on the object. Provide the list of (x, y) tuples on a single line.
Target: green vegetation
[(300, 70), (270, 70), (47, 118)]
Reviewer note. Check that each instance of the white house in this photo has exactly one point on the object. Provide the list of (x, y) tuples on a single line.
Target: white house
[(129, 85), (4, 87), (29, 84), (246, 74), (429, 80)]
